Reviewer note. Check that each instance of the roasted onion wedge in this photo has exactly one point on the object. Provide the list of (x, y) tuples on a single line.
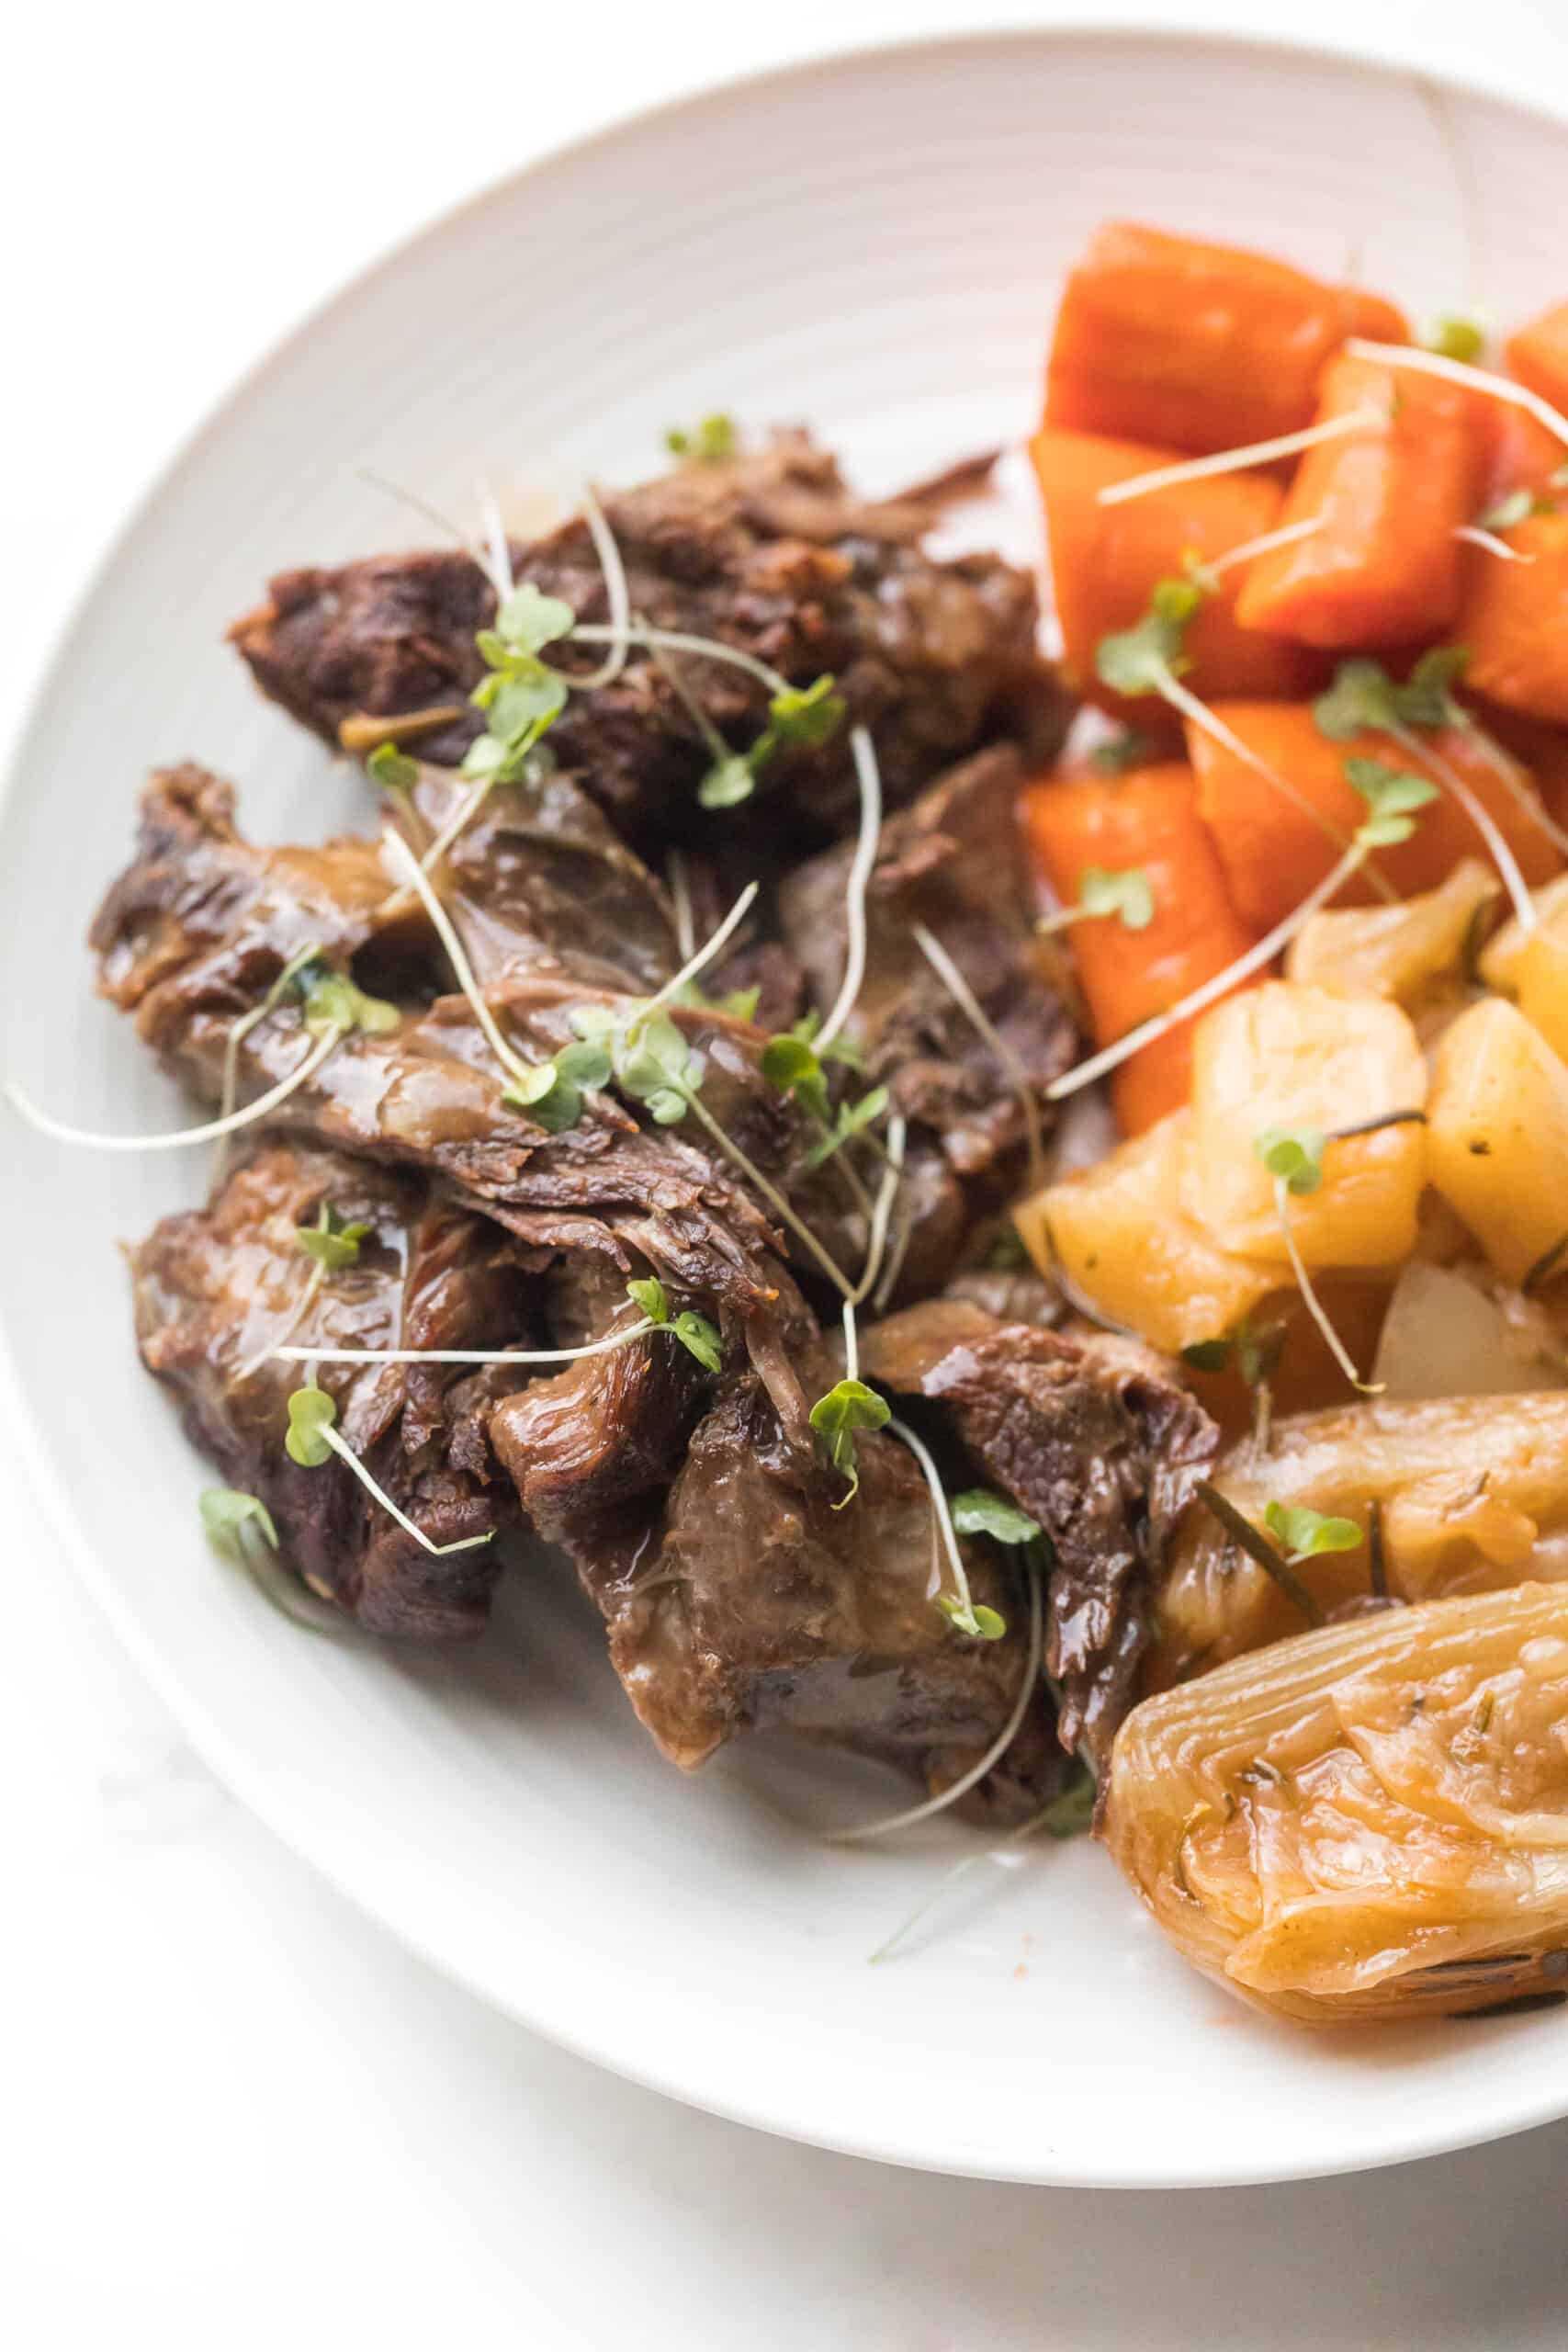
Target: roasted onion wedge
[(1473, 1492), (1367, 1822)]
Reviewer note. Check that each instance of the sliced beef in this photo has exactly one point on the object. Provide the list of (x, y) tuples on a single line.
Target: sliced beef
[(214, 1287), (702, 1521), (769, 553), (1094, 1439)]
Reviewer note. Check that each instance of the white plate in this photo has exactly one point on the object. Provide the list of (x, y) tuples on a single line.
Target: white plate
[(873, 245)]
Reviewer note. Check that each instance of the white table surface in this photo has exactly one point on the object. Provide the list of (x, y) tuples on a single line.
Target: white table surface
[(230, 2111)]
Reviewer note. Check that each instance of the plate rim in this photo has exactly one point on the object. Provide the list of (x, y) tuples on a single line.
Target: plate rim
[(353, 1877)]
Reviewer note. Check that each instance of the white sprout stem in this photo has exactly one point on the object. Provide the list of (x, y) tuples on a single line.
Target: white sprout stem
[(1475, 535), (1460, 371), (1264, 543), (852, 1343), (239, 1029), (949, 1544), (992, 1755), (1250, 453), (458, 822), (680, 888), (497, 544), (345, 1453), (975, 1011), (1479, 817), (464, 1355), (770, 1192), (675, 641), (1314, 1304), (701, 959), (443, 522), (1200, 998), (617, 595), (718, 748), (1517, 780), (894, 1265), (1202, 718), (396, 851), (881, 1213), (262, 1108), (870, 779)]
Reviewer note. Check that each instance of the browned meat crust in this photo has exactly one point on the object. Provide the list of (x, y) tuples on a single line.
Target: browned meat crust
[(1094, 1440), (770, 554), (213, 1287)]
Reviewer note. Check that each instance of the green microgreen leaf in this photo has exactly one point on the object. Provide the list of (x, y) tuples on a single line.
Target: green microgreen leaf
[(1305, 1532), (230, 1516), (334, 1001), (393, 769), (1361, 701), (652, 1297), (700, 1338), (551, 1092), (1118, 890), (807, 716), (657, 1068), (1129, 749), (982, 1624), (1391, 795), (331, 1243), (1517, 507), (847, 1406), (586, 1065), (852, 1120), (981, 1511), (710, 441), (1140, 659), (528, 620), (1425, 699), (1295, 1155), (739, 1003), (790, 1065), (1208, 1355), (311, 1410), (728, 782), (1454, 337)]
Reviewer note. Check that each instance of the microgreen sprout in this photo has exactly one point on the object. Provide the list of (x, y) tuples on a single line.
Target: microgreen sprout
[(1305, 1533), (332, 1242), (1455, 370), (868, 777), (1393, 795), (1250, 453), (710, 441), (696, 1334), (1103, 890), (986, 1028), (1205, 573), (239, 1029), (241, 1528), (1151, 659), (851, 1119), (1253, 1540), (312, 1439), (1255, 1350), (391, 769), (1455, 336), (980, 1511), (847, 1406), (958, 1606), (1508, 512), (396, 852), (1293, 1157)]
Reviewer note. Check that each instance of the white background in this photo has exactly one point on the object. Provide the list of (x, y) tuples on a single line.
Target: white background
[(229, 2111)]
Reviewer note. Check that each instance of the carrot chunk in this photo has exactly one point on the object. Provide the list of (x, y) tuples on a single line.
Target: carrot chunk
[(1520, 454), (1106, 560), (1272, 853), (1197, 347), (1148, 820), (1538, 354), (1383, 567), (1513, 618)]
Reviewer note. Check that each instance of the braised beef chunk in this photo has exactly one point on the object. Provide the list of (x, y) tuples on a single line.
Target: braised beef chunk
[(953, 864), (1091, 1436), (768, 553), (215, 1287), (738, 1598)]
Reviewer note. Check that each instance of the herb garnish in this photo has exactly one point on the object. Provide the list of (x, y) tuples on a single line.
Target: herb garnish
[(312, 1439), (847, 1406), (1293, 1157), (710, 441), (1125, 891)]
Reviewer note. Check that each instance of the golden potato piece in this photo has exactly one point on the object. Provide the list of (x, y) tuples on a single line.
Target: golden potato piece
[(1289, 1055), (1497, 1134), (1473, 1495), (1500, 960), (1368, 1822), (1408, 952), (1542, 976), (1121, 1236)]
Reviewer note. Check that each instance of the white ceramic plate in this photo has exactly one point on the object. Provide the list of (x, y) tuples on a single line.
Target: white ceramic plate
[(873, 245)]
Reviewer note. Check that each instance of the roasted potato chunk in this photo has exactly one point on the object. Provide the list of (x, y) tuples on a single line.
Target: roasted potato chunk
[(1368, 1822), (1497, 1134), (1409, 952)]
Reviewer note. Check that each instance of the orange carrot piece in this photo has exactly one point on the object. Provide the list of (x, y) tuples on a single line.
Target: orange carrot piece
[(1384, 569), (1520, 454), (1513, 618), (1197, 347), (1105, 560), (1538, 354), (1149, 820), (1273, 855)]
